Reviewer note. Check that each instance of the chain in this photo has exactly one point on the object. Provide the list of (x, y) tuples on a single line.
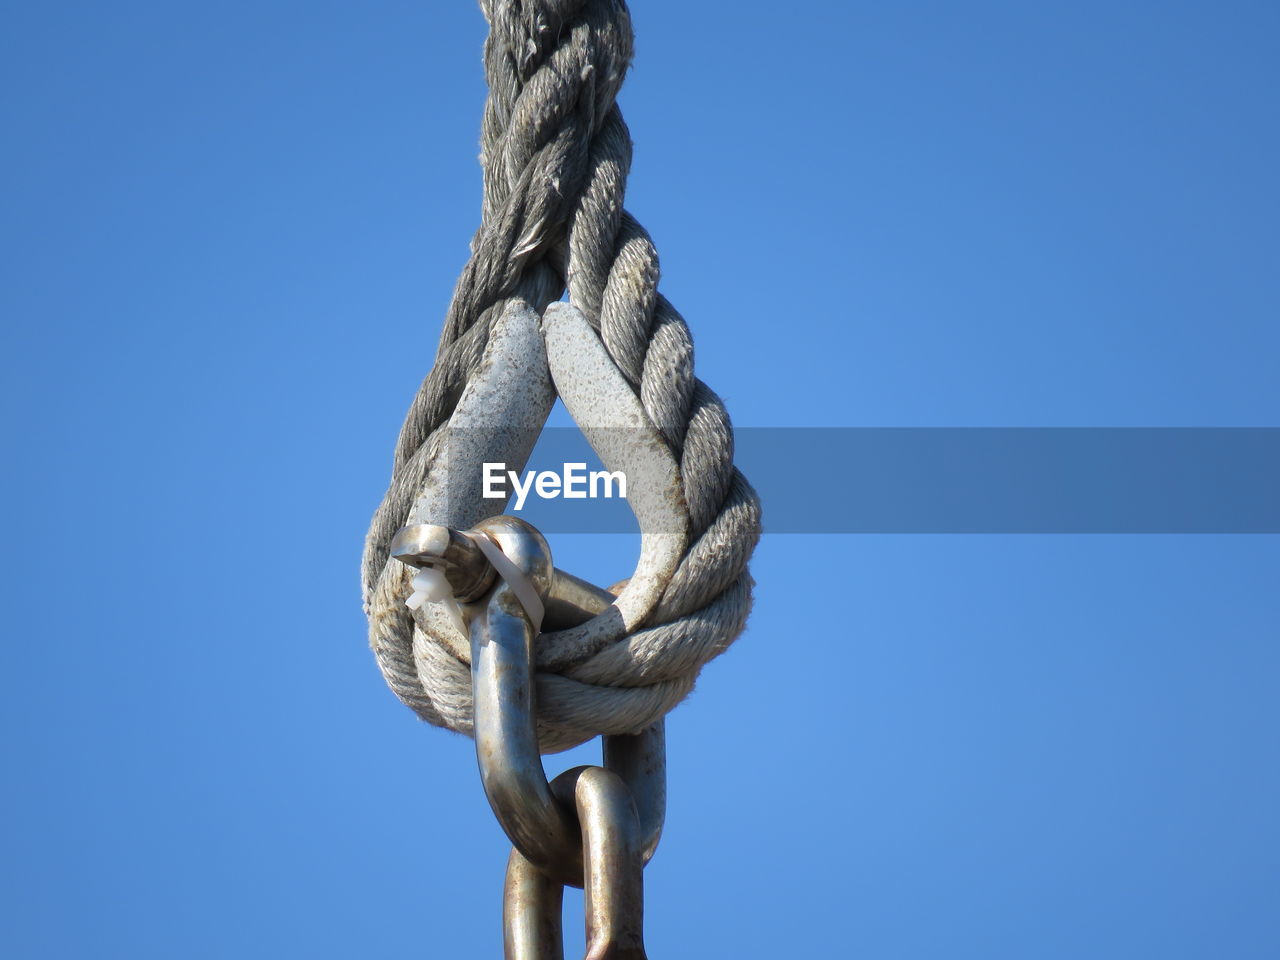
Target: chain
[(593, 827)]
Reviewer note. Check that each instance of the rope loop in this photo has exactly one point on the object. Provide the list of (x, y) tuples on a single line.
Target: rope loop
[(556, 153)]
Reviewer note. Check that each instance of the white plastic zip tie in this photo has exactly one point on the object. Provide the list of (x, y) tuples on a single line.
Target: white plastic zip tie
[(431, 586), (520, 585)]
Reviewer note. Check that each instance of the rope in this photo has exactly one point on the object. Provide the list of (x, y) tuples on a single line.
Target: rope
[(555, 154)]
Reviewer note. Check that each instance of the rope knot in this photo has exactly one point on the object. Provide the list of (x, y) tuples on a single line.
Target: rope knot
[(556, 153)]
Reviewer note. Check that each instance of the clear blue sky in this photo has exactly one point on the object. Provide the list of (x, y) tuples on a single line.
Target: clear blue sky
[(230, 233)]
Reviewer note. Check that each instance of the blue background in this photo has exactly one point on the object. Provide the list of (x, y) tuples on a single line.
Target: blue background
[(230, 233)]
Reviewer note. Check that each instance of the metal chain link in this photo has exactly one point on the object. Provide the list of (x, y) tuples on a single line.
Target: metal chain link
[(593, 827)]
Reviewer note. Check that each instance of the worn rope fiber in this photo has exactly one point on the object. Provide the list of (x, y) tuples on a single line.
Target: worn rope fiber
[(555, 154)]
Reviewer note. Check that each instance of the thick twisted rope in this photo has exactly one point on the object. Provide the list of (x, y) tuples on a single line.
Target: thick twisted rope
[(556, 154)]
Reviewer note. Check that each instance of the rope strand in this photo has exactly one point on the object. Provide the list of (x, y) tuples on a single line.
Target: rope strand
[(556, 154)]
